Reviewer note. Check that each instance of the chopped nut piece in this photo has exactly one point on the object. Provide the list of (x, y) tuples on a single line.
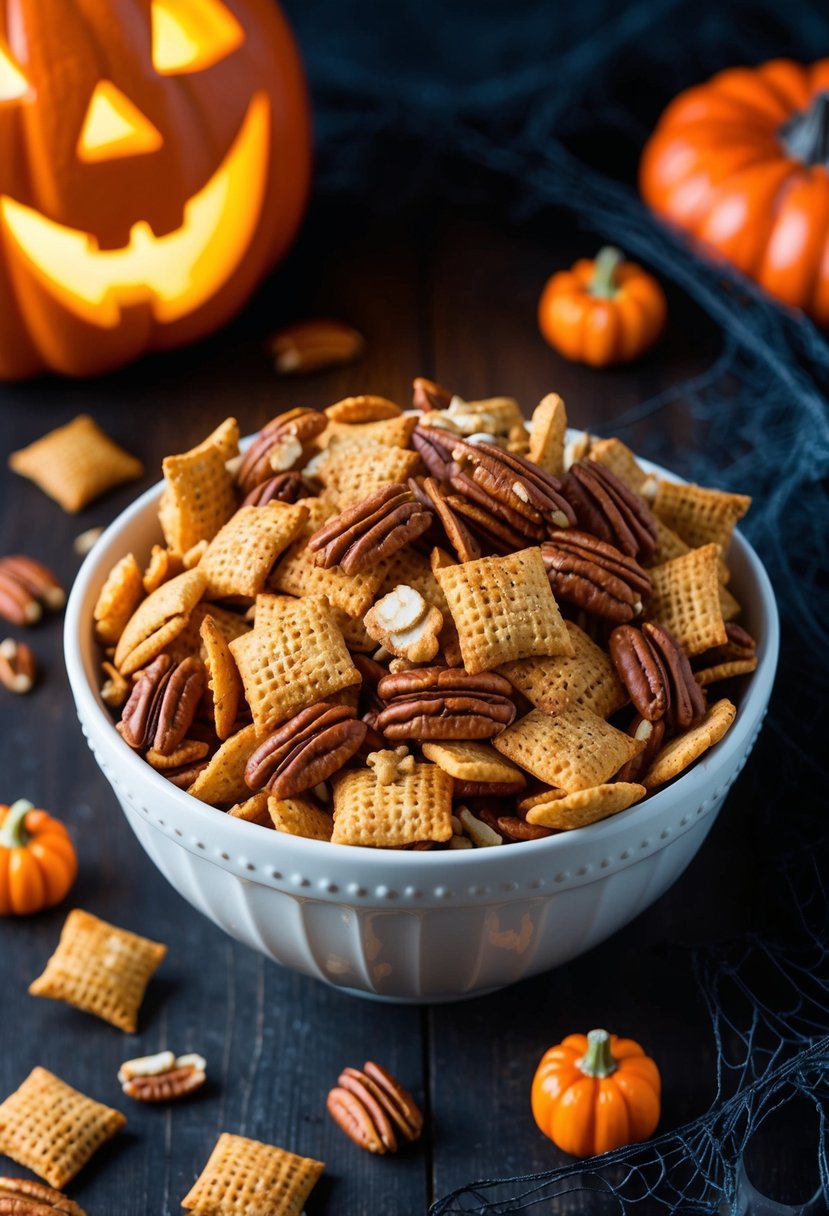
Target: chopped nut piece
[(85, 541), (17, 666), (162, 1077), (481, 835), (314, 345)]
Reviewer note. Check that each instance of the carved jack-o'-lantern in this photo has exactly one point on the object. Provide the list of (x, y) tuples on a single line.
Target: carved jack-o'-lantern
[(154, 163)]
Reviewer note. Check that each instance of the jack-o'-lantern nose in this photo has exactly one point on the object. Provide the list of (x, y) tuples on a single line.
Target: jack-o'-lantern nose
[(115, 127)]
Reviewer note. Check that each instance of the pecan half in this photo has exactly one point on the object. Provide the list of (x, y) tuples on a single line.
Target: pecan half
[(283, 487), (305, 750), (428, 395), (17, 604), (444, 703), (162, 705), (428, 491), (162, 1077), (18, 668), (517, 491), (370, 530), (515, 828), (36, 578), (641, 670), (21, 1197), (595, 575), (740, 645), (373, 1109), (606, 507), (291, 432), (686, 702), (314, 345)]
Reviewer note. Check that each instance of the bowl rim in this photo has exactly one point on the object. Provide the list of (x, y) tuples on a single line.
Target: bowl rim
[(78, 656)]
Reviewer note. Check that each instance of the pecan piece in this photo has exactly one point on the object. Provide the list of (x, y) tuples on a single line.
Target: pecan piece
[(652, 734), (307, 749), (595, 575), (36, 578), (162, 705), (686, 702), (372, 1108), (285, 437), (605, 506), (370, 530), (641, 670), (429, 396), (428, 491), (18, 668), (22, 1197), (283, 487), (504, 483), (162, 1077), (444, 703), (314, 345)]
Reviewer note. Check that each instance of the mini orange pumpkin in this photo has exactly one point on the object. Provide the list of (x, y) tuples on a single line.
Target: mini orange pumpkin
[(154, 164), (602, 311), (596, 1092), (38, 864), (742, 163)]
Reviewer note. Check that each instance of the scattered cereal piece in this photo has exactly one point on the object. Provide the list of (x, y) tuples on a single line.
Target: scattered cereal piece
[(52, 1129), (76, 463), (245, 1178), (100, 969)]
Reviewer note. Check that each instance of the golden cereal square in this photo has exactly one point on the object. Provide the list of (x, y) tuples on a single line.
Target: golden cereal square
[(470, 761), (684, 749), (617, 456), (388, 432), (223, 781), (52, 1129), (586, 806), (172, 602), (100, 969), (575, 750), (223, 679), (685, 598), (588, 678), (122, 592), (76, 463), (700, 516), (200, 488), (548, 431), (415, 807), (253, 810), (297, 574), (299, 659), (350, 480), (300, 817), (239, 558), (503, 609), (668, 545), (247, 1178)]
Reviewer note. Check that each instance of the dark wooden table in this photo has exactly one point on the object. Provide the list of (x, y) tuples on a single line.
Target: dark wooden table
[(451, 297)]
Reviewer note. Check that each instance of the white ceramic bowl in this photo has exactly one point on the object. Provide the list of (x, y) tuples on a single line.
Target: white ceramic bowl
[(403, 926)]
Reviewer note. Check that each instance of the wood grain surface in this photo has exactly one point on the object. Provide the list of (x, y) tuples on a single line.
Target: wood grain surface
[(452, 298)]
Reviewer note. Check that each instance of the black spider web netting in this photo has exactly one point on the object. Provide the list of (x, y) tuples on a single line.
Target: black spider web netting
[(545, 107)]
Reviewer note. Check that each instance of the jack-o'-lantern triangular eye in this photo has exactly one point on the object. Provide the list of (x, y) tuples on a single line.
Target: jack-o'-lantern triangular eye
[(191, 35), (13, 84)]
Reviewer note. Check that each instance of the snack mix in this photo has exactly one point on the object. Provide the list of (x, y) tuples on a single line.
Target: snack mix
[(441, 628)]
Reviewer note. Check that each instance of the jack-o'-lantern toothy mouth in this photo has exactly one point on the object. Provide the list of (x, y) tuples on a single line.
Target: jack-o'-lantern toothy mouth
[(174, 274)]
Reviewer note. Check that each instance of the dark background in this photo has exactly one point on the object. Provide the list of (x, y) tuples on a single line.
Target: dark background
[(447, 135)]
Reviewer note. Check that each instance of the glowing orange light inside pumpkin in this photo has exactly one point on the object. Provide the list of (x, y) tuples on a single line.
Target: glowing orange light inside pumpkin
[(175, 274), (191, 35), (115, 127), (13, 84)]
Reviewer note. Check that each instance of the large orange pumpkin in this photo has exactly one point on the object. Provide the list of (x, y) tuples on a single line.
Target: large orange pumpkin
[(742, 162), (154, 163)]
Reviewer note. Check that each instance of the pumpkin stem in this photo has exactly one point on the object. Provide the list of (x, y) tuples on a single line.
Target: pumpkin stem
[(13, 834), (606, 263), (805, 136), (597, 1061)]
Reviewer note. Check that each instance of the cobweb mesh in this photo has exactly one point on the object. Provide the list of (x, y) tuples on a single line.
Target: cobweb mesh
[(544, 111)]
